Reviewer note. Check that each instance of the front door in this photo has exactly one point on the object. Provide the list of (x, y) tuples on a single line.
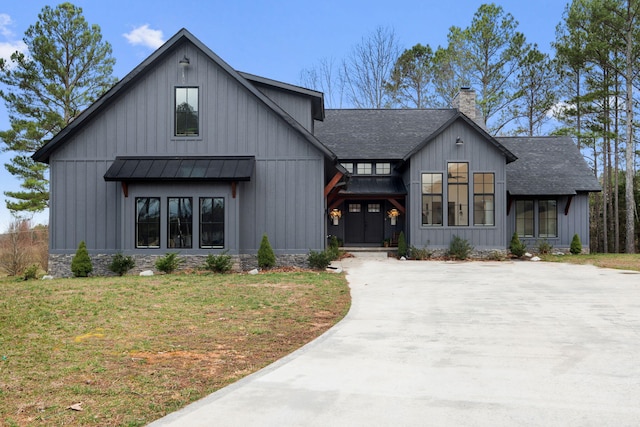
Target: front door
[(364, 222)]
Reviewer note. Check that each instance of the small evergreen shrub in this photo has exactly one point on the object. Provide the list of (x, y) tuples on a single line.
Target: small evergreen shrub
[(459, 248), (219, 263), (334, 248), (402, 245), (419, 254), (120, 263), (576, 246), (81, 262), (319, 260), (31, 272), (517, 247), (544, 247), (168, 263), (266, 257)]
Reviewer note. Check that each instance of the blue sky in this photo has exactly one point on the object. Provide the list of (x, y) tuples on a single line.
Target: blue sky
[(275, 39)]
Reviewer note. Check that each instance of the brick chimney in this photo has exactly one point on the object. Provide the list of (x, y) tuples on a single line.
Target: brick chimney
[(465, 102)]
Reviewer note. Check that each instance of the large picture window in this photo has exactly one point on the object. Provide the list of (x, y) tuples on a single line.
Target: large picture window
[(483, 199), (547, 218), (186, 110), (180, 222), (524, 218), (458, 193), (147, 222), (431, 199), (211, 222)]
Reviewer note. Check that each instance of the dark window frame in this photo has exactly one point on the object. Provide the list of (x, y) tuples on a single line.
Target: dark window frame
[(457, 185), (481, 197), (214, 225), (434, 216), (180, 122), (180, 228), (148, 225)]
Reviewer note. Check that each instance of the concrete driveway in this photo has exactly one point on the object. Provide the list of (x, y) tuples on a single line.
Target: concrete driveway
[(455, 344)]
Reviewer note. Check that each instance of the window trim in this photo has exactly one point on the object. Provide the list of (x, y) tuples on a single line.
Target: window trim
[(188, 237), (483, 195), (175, 113), (440, 194), (137, 224), (201, 222), (457, 186)]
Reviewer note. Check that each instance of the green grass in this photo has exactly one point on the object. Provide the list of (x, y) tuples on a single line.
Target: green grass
[(133, 349), (619, 261)]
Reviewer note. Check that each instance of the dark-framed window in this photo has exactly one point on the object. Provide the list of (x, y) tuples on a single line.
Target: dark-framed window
[(147, 222), (212, 222), (383, 168), (547, 218), (483, 198), (180, 213), (364, 168), (431, 199), (458, 194), (525, 218), (187, 120)]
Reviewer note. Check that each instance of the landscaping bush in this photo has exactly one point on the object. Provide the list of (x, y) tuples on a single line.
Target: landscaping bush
[(459, 248), (219, 263), (334, 248), (517, 247), (168, 263), (576, 246), (419, 254), (544, 247), (266, 257), (320, 260), (402, 245), (120, 263), (31, 272), (81, 262)]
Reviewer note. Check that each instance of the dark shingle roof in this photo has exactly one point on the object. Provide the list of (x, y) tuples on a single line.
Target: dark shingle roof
[(378, 134), (547, 166)]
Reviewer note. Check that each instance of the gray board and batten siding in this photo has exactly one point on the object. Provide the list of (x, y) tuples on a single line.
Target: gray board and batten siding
[(284, 197)]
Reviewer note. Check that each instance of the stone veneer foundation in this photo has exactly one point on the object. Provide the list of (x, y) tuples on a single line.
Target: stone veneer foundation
[(60, 264)]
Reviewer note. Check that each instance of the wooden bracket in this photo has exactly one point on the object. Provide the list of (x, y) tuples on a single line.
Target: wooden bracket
[(125, 188), (233, 189), (331, 185), (568, 205)]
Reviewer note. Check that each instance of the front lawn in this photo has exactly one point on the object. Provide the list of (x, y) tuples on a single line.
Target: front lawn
[(128, 350), (619, 261)]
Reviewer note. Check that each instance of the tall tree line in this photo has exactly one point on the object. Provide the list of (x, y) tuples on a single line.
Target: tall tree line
[(583, 88)]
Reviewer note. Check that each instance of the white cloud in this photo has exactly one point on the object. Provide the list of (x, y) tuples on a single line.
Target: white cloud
[(145, 36), (5, 22)]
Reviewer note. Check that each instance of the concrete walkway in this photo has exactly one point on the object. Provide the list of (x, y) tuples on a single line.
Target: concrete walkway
[(455, 344)]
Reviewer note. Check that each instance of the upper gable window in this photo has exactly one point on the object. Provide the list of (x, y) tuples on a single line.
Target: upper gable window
[(364, 168), (187, 121), (383, 168)]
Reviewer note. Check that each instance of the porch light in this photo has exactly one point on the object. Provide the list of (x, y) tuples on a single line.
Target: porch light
[(393, 215), (459, 141), (184, 62), (335, 215)]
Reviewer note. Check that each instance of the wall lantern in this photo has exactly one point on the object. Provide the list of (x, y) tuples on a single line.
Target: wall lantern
[(459, 142), (393, 215), (335, 215), (184, 62)]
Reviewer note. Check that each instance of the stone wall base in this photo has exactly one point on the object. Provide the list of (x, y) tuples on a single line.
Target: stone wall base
[(60, 264)]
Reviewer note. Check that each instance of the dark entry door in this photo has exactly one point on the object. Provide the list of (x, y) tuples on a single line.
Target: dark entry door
[(364, 222)]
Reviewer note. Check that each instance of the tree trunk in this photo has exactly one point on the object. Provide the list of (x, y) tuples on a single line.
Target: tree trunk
[(630, 244)]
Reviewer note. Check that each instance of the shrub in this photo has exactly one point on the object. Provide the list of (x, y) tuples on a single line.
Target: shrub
[(120, 263), (517, 247), (266, 257), (334, 248), (402, 245), (319, 260), (168, 263), (81, 263), (544, 247), (219, 263), (31, 272), (419, 254), (459, 248), (576, 246)]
